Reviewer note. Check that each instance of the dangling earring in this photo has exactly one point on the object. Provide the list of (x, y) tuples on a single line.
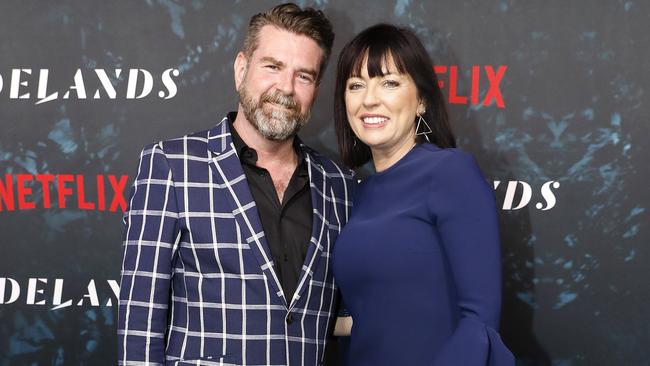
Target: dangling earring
[(426, 128), (354, 142)]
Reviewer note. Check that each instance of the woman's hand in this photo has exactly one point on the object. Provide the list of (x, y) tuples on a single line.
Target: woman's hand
[(343, 326)]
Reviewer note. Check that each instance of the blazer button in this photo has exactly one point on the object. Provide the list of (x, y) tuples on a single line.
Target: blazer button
[(289, 318)]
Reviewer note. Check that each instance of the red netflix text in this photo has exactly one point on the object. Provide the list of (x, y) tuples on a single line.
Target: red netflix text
[(493, 75), (101, 193)]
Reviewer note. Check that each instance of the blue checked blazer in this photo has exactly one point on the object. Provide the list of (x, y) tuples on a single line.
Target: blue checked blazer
[(198, 285)]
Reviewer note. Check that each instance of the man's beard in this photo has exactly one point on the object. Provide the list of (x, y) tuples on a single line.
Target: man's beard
[(277, 124)]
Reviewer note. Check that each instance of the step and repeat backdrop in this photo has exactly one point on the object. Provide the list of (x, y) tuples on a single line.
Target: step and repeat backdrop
[(551, 97)]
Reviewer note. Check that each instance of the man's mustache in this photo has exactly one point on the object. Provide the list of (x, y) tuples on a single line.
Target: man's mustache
[(277, 97)]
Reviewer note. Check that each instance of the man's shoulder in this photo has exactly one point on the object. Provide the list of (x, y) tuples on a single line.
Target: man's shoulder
[(192, 144)]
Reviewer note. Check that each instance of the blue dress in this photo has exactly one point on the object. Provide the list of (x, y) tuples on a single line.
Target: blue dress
[(418, 265)]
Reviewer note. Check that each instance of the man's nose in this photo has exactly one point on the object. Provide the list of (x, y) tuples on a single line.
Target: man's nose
[(285, 83)]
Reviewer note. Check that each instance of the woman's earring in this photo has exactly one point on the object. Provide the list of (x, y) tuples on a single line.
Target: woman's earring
[(354, 142), (425, 128)]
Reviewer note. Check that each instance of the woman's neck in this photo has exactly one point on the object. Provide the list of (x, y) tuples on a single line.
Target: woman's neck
[(385, 158)]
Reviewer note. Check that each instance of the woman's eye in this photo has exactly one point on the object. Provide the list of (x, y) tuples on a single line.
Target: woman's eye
[(355, 86), (391, 83)]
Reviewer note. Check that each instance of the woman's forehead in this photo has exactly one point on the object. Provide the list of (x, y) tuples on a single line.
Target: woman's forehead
[(376, 64)]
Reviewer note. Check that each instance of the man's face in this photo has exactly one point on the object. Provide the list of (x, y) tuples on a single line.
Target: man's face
[(277, 85)]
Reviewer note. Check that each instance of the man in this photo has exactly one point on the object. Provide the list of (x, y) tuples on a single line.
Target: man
[(229, 231)]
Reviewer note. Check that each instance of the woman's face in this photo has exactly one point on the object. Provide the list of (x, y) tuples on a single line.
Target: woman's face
[(382, 110)]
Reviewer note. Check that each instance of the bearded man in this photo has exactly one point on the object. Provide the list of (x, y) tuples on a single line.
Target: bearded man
[(229, 231)]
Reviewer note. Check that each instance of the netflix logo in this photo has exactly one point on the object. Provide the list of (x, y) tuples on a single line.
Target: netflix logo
[(18, 192), (481, 76)]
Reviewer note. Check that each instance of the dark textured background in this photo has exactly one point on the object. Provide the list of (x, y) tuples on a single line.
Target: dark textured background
[(576, 288)]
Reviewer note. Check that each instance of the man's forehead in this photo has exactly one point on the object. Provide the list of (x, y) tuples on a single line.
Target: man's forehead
[(270, 33), (275, 42)]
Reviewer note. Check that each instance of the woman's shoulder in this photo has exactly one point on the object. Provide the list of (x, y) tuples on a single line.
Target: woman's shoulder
[(455, 174), (448, 159)]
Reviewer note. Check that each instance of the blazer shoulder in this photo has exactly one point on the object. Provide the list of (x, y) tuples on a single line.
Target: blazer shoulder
[(193, 144)]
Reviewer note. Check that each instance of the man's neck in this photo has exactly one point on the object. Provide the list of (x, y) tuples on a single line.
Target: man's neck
[(269, 153)]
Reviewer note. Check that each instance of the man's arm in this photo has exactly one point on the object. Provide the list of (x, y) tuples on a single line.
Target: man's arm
[(150, 232)]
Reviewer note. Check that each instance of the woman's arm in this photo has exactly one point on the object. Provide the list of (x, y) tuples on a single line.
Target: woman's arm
[(464, 209)]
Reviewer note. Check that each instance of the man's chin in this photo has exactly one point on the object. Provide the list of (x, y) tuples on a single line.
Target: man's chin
[(278, 118), (271, 133)]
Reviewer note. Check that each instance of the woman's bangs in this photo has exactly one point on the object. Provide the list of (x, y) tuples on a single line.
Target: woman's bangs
[(378, 55)]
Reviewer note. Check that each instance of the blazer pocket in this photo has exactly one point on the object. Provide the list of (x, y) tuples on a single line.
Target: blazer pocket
[(221, 360)]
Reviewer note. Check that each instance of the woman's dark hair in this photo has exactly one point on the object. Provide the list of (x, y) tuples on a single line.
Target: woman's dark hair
[(379, 44)]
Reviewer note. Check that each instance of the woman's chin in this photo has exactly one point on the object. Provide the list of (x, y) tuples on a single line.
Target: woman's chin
[(374, 139), (373, 143)]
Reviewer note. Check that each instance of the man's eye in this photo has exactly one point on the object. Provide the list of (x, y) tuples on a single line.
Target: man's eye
[(272, 67), (306, 78)]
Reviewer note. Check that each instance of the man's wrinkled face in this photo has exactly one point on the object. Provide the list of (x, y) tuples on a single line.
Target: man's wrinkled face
[(278, 83)]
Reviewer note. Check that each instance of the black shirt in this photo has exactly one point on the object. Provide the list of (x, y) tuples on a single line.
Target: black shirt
[(287, 225)]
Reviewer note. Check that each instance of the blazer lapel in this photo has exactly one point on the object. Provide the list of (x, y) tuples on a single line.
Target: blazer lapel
[(228, 172), (319, 188)]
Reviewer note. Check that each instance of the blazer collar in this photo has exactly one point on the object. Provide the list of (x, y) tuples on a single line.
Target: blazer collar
[(219, 138)]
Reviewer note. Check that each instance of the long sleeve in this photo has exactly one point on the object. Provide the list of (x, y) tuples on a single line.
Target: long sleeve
[(150, 231), (466, 218)]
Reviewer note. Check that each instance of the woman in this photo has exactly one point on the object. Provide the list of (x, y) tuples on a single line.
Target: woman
[(418, 263)]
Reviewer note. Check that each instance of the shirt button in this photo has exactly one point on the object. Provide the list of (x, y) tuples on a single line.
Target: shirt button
[(289, 318)]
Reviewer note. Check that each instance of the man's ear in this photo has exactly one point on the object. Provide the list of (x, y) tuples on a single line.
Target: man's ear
[(239, 68)]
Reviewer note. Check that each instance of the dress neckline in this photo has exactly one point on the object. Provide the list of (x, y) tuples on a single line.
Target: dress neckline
[(397, 163)]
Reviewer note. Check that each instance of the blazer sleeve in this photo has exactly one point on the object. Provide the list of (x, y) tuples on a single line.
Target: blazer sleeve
[(464, 209), (150, 232), (351, 183)]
